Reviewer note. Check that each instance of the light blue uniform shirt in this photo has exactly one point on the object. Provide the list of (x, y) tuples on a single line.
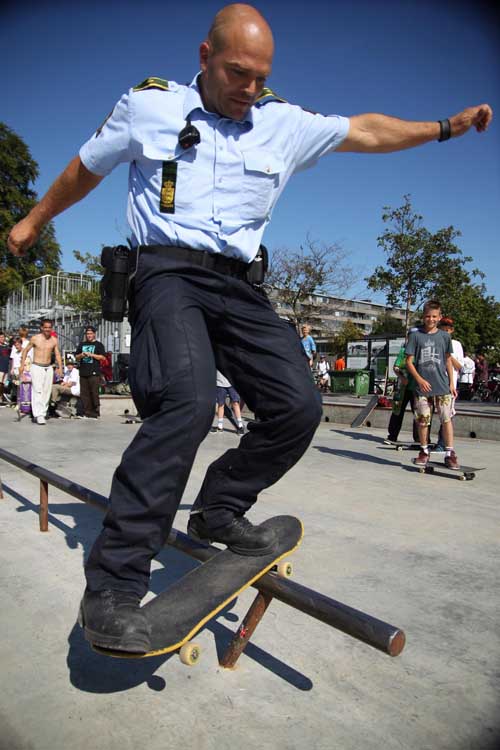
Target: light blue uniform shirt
[(227, 185)]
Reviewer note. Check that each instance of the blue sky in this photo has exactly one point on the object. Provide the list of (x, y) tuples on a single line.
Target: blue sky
[(66, 64)]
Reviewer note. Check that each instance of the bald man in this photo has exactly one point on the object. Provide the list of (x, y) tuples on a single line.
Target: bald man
[(208, 162)]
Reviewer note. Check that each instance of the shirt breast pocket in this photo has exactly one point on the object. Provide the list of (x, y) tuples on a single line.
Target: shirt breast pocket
[(261, 179), (169, 172)]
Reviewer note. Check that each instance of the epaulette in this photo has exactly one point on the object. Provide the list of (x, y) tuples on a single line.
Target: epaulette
[(267, 96), (152, 83)]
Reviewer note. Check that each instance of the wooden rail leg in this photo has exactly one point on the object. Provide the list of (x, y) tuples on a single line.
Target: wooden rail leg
[(246, 630), (44, 505)]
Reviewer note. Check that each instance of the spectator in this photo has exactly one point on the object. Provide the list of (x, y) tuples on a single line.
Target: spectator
[(324, 373), (457, 360), (15, 365), (107, 367), (404, 394), (4, 367), (428, 360), (466, 377), (482, 372), (69, 386), (90, 353), (44, 346), (308, 344), (225, 390), (340, 363)]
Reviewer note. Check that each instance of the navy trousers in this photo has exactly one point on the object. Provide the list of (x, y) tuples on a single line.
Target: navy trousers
[(187, 322)]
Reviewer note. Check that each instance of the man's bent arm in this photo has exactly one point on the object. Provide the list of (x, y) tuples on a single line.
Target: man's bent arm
[(70, 187), (378, 134)]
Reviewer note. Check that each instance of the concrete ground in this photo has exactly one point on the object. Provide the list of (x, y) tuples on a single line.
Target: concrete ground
[(418, 551)]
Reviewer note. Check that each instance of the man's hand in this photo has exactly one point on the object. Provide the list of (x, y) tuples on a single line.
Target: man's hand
[(70, 187), (23, 236), (478, 117)]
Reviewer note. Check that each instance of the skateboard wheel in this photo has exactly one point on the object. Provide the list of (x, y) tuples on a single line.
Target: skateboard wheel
[(284, 569), (399, 448), (463, 477), (189, 654)]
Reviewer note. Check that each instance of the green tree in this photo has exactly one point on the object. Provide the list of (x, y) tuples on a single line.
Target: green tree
[(18, 170), (348, 331), (475, 313), (417, 260), (387, 324), (86, 300), (315, 269)]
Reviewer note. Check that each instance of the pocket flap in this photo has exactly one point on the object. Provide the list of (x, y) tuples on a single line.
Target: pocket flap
[(263, 161), (159, 152)]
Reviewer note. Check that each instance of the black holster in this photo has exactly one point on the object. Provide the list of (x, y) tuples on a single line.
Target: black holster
[(114, 283), (257, 269)]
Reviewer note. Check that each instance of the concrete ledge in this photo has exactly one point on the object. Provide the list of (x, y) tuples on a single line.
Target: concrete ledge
[(467, 424), (116, 405)]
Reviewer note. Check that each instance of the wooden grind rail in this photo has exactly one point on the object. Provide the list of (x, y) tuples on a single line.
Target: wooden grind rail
[(376, 633)]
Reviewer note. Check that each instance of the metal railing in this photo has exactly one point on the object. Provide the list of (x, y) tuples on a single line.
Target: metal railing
[(376, 633)]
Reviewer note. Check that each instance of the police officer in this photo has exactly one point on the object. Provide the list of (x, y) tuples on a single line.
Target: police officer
[(207, 163)]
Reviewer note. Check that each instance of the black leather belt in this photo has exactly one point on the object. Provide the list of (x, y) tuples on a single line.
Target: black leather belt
[(211, 261)]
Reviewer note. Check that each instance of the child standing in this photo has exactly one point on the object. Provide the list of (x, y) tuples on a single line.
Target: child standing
[(428, 360)]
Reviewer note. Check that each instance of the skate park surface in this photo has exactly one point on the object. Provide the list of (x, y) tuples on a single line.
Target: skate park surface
[(418, 551)]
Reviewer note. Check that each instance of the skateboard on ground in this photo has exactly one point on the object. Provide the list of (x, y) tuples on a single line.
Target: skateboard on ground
[(402, 446), (179, 612), (463, 473), (130, 418), (365, 412)]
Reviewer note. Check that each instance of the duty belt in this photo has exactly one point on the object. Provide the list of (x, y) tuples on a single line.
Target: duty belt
[(210, 261)]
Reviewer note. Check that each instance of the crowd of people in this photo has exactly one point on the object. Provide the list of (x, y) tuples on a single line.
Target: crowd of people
[(34, 379)]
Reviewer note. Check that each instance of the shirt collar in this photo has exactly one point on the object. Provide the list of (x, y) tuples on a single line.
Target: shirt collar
[(194, 101)]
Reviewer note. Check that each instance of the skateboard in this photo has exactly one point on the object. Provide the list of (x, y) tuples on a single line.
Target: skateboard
[(463, 473), (229, 414), (365, 412), (130, 418), (402, 446), (179, 612)]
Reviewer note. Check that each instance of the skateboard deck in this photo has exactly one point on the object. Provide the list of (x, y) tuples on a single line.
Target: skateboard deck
[(229, 414), (180, 611), (463, 473), (365, 412), (402, 446), (130, 418)]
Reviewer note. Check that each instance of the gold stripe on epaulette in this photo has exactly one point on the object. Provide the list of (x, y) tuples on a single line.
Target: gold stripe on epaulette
[(268, 95), (152, 83)]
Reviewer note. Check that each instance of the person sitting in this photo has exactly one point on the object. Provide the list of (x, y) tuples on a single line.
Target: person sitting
[(324, 374), (68, 387)]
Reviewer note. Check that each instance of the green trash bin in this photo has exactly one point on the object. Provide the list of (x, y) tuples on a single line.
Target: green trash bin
[(356, 382), (362, 383)]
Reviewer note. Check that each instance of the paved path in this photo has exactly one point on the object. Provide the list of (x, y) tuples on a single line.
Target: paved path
[(418, 551)]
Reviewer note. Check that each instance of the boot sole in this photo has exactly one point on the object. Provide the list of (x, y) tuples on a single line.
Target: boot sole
[(111, 642)]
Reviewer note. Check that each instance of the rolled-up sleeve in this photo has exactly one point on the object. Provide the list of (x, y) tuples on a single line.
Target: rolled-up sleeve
[(111, 144)]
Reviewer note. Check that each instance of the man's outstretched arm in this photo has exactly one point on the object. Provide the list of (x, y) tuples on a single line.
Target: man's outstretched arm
[(379, 134), (70, 187)]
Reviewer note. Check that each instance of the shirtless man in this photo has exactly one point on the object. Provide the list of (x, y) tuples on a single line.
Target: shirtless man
[(43, 345)]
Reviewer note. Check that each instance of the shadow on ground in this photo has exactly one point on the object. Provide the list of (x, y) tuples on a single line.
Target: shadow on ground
[(94, 673)]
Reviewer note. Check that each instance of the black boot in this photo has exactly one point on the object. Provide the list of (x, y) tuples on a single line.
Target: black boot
[(240, 535), (113, 619)]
